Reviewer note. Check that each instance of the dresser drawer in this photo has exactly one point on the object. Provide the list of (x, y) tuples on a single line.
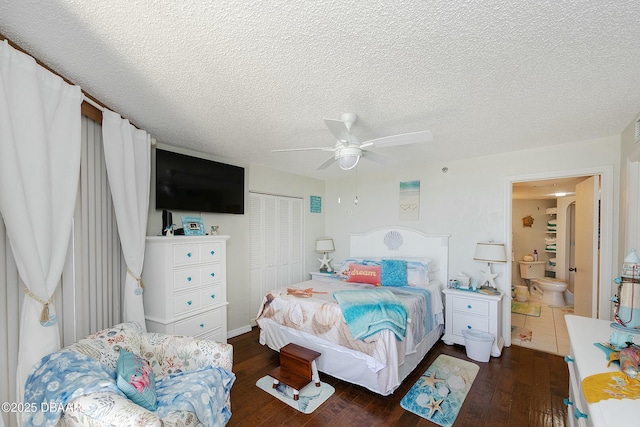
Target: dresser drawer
[(212, 295), (210, 252), (210, 273), (184, 302), (186, 254), (470, 305), (201, 323), (217, 335), (479, 323), (186, 277)]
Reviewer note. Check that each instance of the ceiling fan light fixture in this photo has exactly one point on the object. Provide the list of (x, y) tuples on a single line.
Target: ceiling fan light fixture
[(348, 157)]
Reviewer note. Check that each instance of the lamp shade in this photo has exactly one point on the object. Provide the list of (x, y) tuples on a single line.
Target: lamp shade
[(490, 252), (325, 245)]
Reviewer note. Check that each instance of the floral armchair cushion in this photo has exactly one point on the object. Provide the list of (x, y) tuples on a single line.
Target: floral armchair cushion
[(171, 358), (172, 354), (105, 345)]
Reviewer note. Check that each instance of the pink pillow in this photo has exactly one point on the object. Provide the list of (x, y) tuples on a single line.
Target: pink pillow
[(364, 274)]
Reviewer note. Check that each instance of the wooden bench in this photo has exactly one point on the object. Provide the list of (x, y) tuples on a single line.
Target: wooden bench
[(297, 368)]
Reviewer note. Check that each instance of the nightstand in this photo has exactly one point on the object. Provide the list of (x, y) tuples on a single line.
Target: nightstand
[(317, 275), (472, 310)]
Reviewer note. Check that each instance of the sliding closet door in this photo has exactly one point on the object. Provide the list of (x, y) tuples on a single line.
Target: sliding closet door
[(276, 244)]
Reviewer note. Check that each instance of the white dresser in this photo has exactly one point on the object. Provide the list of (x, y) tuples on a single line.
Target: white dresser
[(472, 310), (185, 281), (585, 360)]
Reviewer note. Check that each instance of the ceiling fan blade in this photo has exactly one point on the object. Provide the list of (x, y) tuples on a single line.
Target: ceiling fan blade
[(327, 163), (402, 139), (338, 128), (305, 149), (378, 158)]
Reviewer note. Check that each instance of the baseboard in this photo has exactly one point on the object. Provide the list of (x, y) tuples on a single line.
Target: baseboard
[(238, 331)]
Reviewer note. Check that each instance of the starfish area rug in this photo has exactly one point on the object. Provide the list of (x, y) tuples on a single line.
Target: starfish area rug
[(309, 399), (439, 393)]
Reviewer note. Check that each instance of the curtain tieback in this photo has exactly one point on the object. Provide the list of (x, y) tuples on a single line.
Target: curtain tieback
[(138, 279), (44, 316)]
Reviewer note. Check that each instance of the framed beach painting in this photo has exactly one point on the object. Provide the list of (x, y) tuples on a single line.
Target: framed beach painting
[(409, 203)]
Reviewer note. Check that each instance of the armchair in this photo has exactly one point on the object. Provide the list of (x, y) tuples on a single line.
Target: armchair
[(176, 361)]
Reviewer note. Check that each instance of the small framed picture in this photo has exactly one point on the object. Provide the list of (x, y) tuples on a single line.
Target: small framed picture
[(192, 226)]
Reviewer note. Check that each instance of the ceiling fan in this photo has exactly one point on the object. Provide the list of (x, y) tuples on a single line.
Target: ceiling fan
[(348, 149)]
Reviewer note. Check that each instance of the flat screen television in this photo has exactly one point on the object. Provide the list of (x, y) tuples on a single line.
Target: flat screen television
[(193, 184)]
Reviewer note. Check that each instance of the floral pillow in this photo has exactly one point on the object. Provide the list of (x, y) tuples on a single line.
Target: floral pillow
[(136, 380)]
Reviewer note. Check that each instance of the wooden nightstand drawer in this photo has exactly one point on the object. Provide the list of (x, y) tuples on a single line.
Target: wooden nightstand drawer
[(469, 322), (469, 305)]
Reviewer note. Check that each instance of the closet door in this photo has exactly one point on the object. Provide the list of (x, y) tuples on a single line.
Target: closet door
[(290, 238), (276, 233)]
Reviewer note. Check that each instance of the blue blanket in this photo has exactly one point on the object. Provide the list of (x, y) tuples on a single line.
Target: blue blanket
[(368, 311), (65, 375), (422, 308)]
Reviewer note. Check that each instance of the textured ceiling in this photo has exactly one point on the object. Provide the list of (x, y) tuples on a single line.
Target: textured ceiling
[(237, 79)]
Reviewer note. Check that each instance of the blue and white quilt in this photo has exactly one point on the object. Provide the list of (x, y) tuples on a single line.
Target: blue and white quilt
[(63, 376), (368, 311)]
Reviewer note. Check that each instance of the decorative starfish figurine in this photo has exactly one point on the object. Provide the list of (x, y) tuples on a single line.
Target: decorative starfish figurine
[(430, 381), (325, 263), (434, 405), (487, 277)]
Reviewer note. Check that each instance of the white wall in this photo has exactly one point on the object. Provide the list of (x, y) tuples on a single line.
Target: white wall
[(259, 179), (467, 202)]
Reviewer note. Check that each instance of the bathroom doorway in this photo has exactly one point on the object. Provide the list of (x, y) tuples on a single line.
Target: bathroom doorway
[(544, 226)]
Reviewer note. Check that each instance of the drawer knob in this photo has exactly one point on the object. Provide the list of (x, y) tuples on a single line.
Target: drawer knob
[(567, 402), (568, 359), (213, 296), (188, 278), (189, 302), (212, 252), (202, 325), (213, 274), (469, 306), (188, 254), (578, 414)]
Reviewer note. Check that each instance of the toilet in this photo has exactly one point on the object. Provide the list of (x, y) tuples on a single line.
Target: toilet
[(549, 290)]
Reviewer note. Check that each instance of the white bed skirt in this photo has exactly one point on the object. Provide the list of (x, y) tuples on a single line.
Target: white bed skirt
[(346, 364)]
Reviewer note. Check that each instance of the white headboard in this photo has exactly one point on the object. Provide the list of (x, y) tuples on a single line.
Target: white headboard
[(403, 242)]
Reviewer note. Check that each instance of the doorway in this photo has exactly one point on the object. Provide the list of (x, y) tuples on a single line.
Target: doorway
[(599, 279)]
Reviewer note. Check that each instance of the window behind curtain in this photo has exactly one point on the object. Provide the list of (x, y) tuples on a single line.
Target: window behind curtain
[(89, 298)]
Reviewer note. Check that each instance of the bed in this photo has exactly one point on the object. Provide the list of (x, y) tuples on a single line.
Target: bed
[(305, 313)]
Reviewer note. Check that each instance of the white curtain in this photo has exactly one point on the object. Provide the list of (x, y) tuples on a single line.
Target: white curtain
[(39, 169), (128, 157)]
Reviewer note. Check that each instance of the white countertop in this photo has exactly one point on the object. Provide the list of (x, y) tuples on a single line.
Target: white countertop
[(584, 332)]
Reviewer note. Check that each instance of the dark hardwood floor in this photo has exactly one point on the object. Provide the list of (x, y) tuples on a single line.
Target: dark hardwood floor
[(523, 387)]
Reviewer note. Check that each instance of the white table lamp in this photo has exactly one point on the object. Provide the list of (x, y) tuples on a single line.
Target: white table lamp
[(325, 245), (489, 252)]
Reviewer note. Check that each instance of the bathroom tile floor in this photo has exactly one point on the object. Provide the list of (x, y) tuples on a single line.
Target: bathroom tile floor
[(549, 331)]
